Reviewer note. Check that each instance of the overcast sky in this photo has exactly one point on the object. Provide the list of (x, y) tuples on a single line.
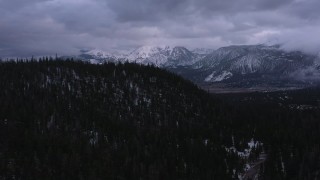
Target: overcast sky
[(43, 27)]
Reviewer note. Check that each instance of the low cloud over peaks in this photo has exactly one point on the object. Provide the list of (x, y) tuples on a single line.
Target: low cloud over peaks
[(42, 27)]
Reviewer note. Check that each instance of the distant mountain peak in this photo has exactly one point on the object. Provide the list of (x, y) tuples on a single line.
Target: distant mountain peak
[(145, 52)]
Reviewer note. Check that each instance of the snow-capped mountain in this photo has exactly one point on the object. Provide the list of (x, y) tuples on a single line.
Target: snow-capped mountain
[(100, 55), (181, 56), (260, 60), (161, 56), (232, 64), (150, 55)]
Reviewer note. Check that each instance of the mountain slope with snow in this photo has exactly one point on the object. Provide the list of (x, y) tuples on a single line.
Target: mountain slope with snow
[(232, 64), (161, 56), (150, 55), (260, 60)]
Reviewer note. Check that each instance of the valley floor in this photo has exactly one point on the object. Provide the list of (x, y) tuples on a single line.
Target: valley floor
[(227, 88)]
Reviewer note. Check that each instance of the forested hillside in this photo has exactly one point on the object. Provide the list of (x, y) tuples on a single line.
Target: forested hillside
[(73, 120)]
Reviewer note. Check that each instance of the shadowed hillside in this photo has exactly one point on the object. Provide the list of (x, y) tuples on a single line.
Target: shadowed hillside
[(64, 120)]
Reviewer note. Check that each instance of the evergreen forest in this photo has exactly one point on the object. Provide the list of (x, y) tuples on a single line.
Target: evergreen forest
[(65, 119)]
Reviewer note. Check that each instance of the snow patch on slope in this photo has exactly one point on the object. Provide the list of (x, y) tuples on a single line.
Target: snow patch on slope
[(223, 76), (252, 144), (247, 64)]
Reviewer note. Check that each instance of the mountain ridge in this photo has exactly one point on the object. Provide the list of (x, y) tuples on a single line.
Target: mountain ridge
[(236, 64)]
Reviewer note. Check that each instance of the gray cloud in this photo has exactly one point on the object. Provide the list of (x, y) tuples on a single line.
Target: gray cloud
[(44, 27)]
